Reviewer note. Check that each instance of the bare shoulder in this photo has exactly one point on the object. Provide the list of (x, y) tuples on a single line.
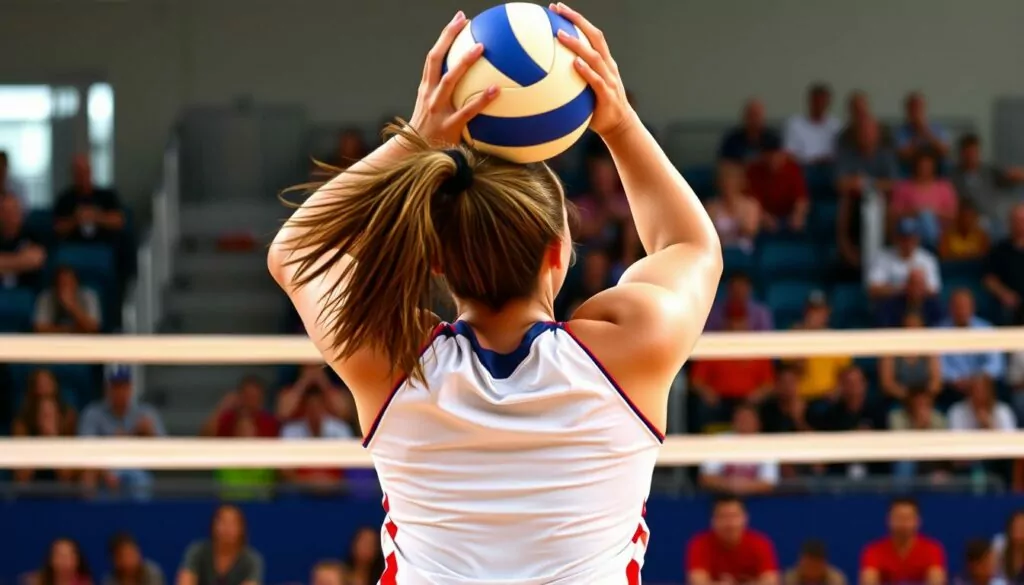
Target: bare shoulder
[(642, 334)]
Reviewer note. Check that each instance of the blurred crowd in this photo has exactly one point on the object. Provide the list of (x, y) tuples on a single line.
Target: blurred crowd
[(826, 223), (223, 557)]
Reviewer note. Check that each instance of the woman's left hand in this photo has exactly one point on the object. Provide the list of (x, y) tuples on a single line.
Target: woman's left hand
[(435, 117)]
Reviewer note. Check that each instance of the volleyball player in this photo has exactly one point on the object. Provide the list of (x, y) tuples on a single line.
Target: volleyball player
[(511, 449)]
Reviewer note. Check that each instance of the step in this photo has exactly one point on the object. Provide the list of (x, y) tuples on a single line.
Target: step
[(204, 323), (228, 301), (212, 266), (216, 218)]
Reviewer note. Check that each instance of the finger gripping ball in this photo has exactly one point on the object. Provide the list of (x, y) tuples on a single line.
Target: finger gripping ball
[(544, 105)]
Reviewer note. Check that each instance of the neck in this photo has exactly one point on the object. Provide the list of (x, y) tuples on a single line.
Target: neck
[(515, 315), (226, 548), (902, 542)]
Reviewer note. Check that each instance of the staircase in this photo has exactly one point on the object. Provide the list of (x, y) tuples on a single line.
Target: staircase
[(216, 291)]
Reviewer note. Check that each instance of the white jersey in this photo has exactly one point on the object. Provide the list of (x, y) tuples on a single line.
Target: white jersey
[(525, 468)]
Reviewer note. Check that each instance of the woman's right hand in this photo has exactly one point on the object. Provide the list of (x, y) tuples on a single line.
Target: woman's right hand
[(613, 113), (435, 117)]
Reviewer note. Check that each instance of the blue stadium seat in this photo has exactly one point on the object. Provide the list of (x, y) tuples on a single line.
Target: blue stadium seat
[(787, 301), (40, 223), (16, 308), (94, 263), (972, 270), (782, 260), (737, 260), (849, 307), (702, 180), (821, 181), (822, 221)]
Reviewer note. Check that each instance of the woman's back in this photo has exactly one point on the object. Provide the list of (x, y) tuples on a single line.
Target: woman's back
[(501, 444)]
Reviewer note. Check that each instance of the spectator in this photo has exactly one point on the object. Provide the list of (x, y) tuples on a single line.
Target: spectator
[(329, 573), (129, 567), (985, 186), (960, 371), (980, 566), (119, 415), (226, 557), (351, 148), (889, 274), (741, 479), (64, 565), (925, 196), (247, 400), (819, 374), (1015, 380), (603, 210), (596, 276), (866, 161), (45, 424), (918, 133), (849, 411), (67, 307), (731, 552), (1009, 549), (918, 413), (737, 215), (915, 299), (365, 562), (744, 143), (785, 410), (720, 385), (1004, 276), (249, 483), (8, 184), (905, 556), (777, 183), (980, 411), (22, 253), (858, 111), (897, 374), (42, 385), (813, 568), (740, 290), (314, 376), (85, 212), (811, 137), (626, 250), (316, 423), (965, 239)]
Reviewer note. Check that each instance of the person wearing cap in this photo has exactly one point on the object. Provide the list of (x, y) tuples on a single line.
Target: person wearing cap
[(119, 415), (890, 271), (777, 182), (813, 568), (811, 137)]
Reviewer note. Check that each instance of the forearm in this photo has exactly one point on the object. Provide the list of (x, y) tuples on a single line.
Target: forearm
[(11, 262), (111, 220), (65, 226), (664, 206), (83, 320)]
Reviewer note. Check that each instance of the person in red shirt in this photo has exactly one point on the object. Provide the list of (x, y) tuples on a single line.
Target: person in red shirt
[(730, 552), (905, 556), (248, 399), (777, 182), (720, 385)]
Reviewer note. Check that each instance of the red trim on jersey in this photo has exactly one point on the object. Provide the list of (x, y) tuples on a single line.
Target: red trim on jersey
[(442, 328), (647, 422), (390, 575)]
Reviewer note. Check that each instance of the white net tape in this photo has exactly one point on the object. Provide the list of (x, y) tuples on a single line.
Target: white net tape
[(678, 450)]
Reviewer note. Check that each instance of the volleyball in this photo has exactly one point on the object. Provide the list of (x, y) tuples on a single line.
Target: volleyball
[(545, 105)]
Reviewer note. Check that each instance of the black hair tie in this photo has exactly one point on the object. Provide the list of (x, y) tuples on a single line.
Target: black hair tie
[(462, 179)]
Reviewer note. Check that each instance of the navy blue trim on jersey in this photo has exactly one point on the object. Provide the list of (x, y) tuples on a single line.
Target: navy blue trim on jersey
[(611, 380), (501, 365), (536, 129), (503, 49), (442, 330)]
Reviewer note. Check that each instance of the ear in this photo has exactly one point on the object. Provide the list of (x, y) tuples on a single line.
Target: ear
[(554, 254)]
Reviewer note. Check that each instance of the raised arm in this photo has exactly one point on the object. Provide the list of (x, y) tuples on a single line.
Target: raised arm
[(645, 327)]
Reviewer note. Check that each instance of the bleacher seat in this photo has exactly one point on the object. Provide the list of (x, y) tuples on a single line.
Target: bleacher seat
[(39, 222), (91, 262), (963, 269), (702, 179), (822, 220), (788, 260), (736, 260), (849, 307), (821, 181), (16, 310), (787, 301)]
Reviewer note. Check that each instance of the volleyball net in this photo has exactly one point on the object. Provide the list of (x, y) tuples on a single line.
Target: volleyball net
[(678, 450)]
